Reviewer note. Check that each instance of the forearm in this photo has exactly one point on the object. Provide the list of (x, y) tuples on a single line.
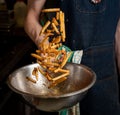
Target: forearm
[(32, 25)]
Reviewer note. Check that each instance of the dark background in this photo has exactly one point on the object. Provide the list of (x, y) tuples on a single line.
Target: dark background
[(15, 49)]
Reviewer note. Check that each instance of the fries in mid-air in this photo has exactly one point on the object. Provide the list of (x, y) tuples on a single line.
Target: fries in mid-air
[(49, 57)]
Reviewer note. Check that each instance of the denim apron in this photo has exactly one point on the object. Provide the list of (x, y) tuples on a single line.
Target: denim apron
[(91, 27)]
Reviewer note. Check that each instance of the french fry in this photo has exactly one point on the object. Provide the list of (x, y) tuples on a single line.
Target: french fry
[(56, 40), (38, 51), (56, 46), (48, 31), (61, 70), (37, 56), (65, 60), (52, 69), (48, 77), (48, 64), (41, 71), (31, 79), (52, 50), (49, 34), (51, 10), (53, 84), (62, 26), (55, 21), (35, 73), (45, 27), (60, 76), (57, 15), (43, 66), (55, 28)]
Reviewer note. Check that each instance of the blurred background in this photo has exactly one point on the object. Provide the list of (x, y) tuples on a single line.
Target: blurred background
[(15, 49)]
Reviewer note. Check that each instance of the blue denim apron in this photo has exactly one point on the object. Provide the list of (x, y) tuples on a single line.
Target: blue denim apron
[(91, 27)]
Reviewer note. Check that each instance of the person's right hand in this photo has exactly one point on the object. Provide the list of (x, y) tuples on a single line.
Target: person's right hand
[(33, 29), (32, 26)]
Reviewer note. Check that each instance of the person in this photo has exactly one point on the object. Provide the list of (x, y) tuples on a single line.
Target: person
[(91, 27)]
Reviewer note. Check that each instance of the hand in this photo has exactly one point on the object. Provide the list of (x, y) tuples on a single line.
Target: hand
[(32, 25)]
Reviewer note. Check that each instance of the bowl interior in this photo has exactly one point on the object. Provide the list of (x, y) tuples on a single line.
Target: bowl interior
[(81, 78)]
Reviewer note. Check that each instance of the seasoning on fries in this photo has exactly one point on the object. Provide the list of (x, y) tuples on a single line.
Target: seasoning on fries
[(49, 57)]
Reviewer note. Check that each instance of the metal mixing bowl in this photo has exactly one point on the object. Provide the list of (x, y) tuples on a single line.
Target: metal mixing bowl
[(64, 95)]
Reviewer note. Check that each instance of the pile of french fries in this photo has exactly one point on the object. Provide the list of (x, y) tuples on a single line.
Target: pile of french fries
[(49, 57)]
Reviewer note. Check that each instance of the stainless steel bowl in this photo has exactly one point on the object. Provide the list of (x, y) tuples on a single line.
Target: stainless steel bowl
[(64, 95)]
